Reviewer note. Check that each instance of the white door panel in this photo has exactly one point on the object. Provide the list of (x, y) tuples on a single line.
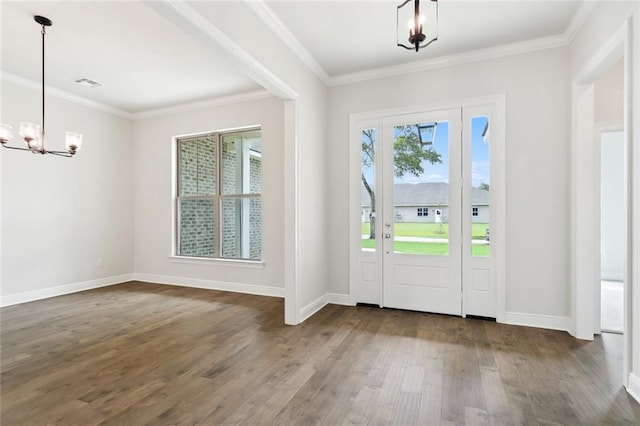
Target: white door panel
[(423, 282)]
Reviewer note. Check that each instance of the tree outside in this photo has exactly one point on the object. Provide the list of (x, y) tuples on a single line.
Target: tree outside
[(408, 157)]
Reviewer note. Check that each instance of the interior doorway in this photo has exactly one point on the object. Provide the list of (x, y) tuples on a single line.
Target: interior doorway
[(608, 116), (586, 186), (612, 237)]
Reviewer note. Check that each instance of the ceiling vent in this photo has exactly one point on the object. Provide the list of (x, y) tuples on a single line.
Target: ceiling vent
[(87, 82)]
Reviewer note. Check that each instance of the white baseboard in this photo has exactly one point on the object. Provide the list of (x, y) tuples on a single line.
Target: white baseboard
[(313, 307), (322, 301), (538, 321), (259, 290), (30, 296), (634, 386), (339, 299)]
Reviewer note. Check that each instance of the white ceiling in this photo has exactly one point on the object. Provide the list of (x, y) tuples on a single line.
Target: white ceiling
[(146, 62), (347, 37)]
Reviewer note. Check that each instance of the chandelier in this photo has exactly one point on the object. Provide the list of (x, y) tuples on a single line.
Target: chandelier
[(416, 21), (33, 134)]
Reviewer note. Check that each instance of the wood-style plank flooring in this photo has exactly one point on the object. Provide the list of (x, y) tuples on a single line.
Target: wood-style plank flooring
[(141, 353)]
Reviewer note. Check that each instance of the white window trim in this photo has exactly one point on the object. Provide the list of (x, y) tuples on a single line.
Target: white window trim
[(217, 261)]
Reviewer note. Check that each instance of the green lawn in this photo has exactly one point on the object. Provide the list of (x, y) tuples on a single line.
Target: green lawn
[(427, 248), (430, 230)]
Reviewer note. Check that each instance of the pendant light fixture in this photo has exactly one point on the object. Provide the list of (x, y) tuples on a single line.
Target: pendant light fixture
[(33, 134), (409, 13)]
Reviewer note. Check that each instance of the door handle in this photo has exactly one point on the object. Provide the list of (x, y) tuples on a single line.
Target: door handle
[(387, 236)]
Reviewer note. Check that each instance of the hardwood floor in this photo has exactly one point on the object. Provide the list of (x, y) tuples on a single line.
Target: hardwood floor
[(140, 353)]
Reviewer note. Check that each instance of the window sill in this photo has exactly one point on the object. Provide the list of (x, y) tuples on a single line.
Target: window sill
[(236, 263)]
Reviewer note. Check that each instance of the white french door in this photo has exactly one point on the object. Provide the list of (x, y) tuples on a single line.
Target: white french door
[(423, 280), (422, 239)]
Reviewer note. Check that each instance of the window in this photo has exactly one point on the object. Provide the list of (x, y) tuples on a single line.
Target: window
[(219, 195), (423, 211), (474, 211)]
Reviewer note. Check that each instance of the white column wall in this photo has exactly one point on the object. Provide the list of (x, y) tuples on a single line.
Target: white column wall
[(606, 20)]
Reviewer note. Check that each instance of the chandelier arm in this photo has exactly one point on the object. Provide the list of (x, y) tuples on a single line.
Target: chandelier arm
[(16, 147), (37, 151), (61, 153)]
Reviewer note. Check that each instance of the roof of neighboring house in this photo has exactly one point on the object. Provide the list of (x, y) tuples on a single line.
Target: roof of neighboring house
[(426, 194)]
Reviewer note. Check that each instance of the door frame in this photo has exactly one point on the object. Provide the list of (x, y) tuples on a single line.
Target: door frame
[(585, 187), (495, 105)]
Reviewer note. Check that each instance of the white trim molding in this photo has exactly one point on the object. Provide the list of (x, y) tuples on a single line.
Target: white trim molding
[(452, 60), (30, 84), (189, 19), (195, 106), (159, 112), (535, 320), (224, 262), (45, 293), (313, 307), (634, 386), (277, 26), (286, 36), (339, 299), (578, 20), (255, 289)]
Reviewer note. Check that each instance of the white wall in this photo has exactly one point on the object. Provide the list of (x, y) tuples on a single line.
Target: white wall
[(60, 215), (609, 96), (153, 204), (604, 23), (537, 164), (612, 214)]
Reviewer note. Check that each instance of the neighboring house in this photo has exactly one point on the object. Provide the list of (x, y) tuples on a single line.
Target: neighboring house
[(428, 202)]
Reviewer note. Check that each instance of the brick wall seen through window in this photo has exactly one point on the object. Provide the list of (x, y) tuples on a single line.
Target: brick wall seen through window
[(219, 202)]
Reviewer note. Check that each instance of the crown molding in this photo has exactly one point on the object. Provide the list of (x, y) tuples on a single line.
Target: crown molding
[(191, 106), (194, 106), (579, 18), (518, 48), (280, 29), (30, 84)]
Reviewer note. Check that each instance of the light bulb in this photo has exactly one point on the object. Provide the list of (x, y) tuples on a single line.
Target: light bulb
[(5, 133), (73, 141), (29, 131)]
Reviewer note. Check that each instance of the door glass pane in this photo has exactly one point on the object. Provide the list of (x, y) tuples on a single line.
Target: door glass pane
[(480, 183), (242, 228), (196, 228), (367, 189), (421, 188)]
